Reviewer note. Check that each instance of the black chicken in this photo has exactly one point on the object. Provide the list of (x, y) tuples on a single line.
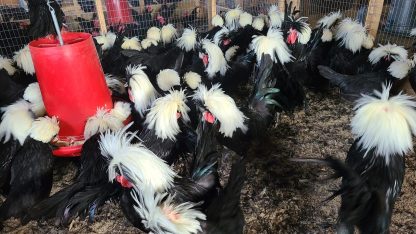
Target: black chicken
[(352, 86), (31, 169), (373, 172), (224, 215), (91, 187), (41, 23), (14, 128), (349, 54), (305, 68)]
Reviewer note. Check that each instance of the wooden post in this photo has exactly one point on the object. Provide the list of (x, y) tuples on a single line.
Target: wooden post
[(212, 11), (101, 18), (142, 6), (372, 20), (281, 5), (240, 3)]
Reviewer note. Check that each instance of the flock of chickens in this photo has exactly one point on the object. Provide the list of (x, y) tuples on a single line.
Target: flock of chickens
[(188, 96)]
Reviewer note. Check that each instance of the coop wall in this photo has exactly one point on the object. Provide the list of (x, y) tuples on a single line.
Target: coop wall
[(390, 20), (84, 16)]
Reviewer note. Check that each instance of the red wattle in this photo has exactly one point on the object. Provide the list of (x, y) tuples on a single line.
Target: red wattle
[(205, 59), (123, 181), (209, 117), (293, 35)]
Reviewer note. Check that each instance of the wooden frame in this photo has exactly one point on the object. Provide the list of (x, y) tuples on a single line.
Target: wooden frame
[(372, 20), (375, 8), (101, 18), (212, 11)]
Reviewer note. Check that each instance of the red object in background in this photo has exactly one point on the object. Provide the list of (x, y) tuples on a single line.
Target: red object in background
[(118, 12), (72, 84)]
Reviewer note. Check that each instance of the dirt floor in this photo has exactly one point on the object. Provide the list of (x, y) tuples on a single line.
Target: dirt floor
[(279, 196)]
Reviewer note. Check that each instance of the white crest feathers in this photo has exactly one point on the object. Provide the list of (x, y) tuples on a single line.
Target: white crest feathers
[(216, 59), (167, 78), (230, 53), (384, 123), (105, 119), (192, 79), (329, 20), (400, 69), (147, 42), (161, 215), (275, 17), (23, 59), (258, 23), (16, 121), (114, 83), (305, 33), (141, 89), (352, 34), (368, 42), (223, 108), (7, 64), (121, 110), (131, 44), (326, 35), (273, 44), (168, 33), (33, 95), (413, 32), (154, 34), (106, 41), (231, 18), (245, 19), (44, 129), (162, 117), (188, 40), (134, 161), (218, 37), (217, 20), (393, 50)]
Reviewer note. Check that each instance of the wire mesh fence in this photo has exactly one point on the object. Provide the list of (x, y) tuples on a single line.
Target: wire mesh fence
[(315, 9), (13, 21), (397, 17), (135, 16)]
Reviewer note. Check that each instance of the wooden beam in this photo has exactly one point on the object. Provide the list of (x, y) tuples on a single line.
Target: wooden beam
[(372, 20), (281, 5), (142, 6), (212, 11), (240, 3), (100, 14)]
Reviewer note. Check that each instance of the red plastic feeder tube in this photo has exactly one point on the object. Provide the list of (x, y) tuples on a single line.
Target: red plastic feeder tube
[(118, 12), (72, 84)]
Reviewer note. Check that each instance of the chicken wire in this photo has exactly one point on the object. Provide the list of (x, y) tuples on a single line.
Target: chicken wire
[(398, 16), (13, 20), (316, 9), (397, 19), (81, 16)]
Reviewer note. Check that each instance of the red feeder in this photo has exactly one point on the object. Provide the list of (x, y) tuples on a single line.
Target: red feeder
[(72, 84), (118, 12)]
